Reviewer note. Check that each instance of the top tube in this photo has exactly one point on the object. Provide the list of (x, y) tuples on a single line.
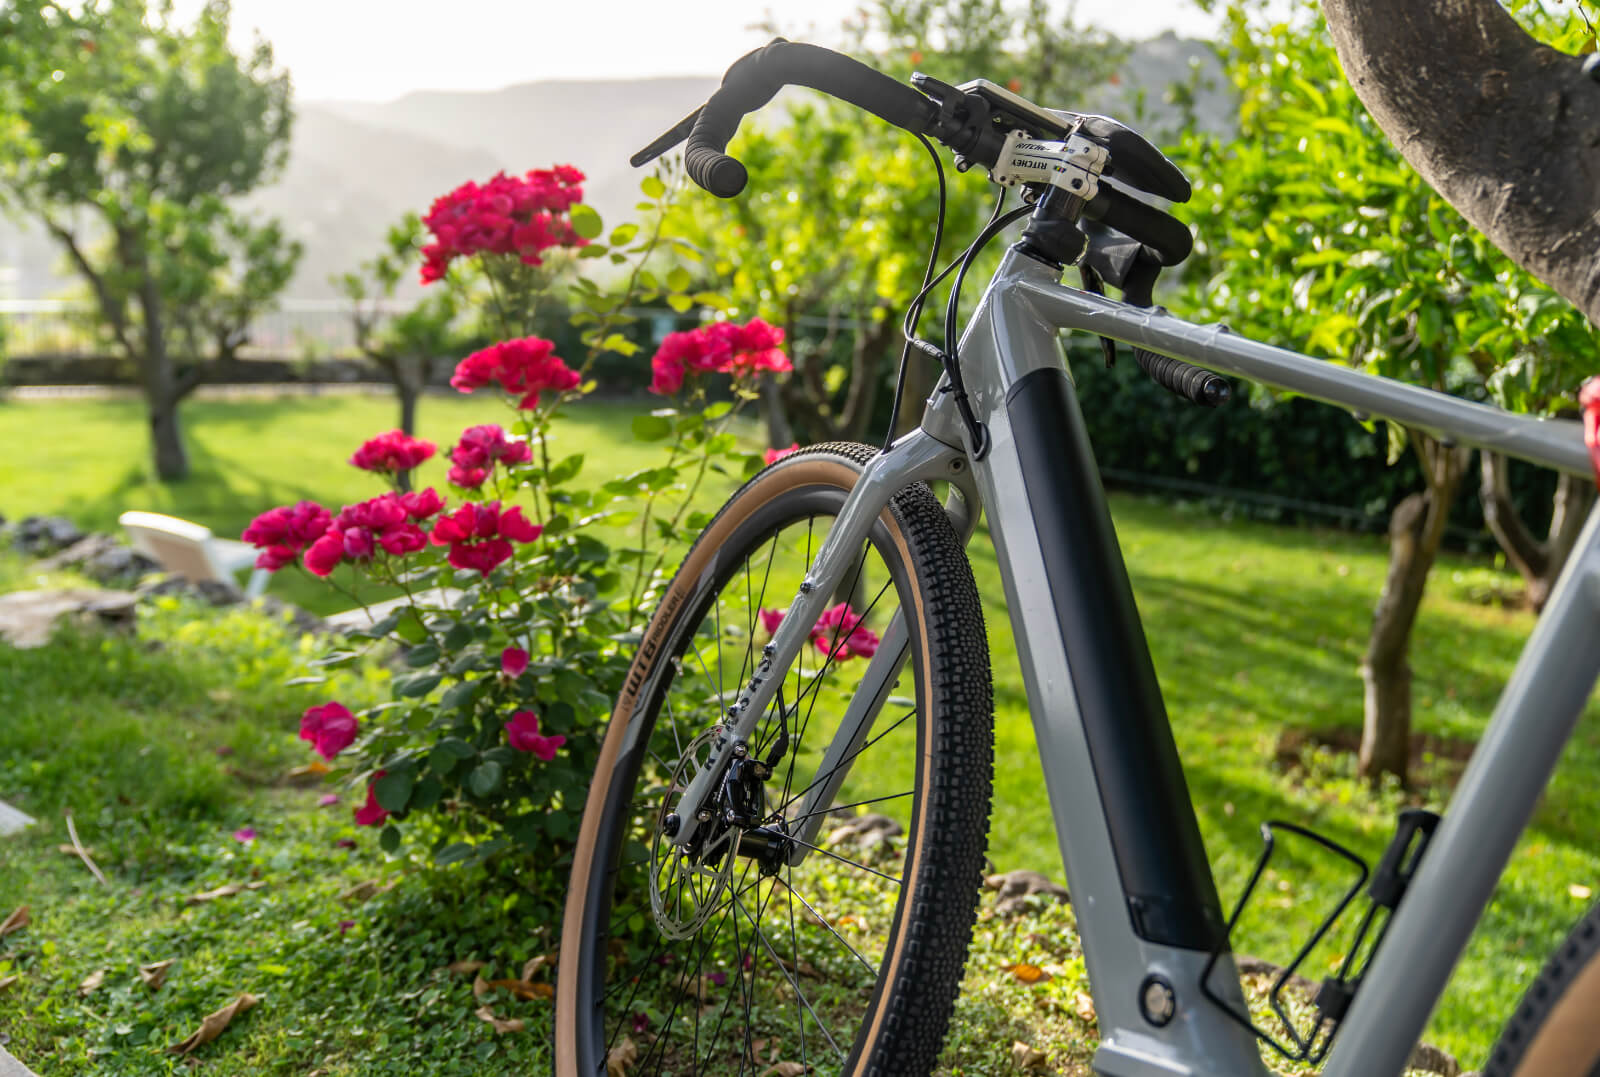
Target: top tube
[(1554, 443)]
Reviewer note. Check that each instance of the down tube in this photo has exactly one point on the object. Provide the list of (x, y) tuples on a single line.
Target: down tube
[(1492, 804), (1143, 893)]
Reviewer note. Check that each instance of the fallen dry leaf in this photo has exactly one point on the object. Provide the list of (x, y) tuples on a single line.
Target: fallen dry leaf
[(1579, 891), (461, 968), (537, 962), (7, 981), (68, 850), (154, 975), (228, 890), (1083, 1006), (785, 1069), (520, 988), (212, 1024), (363, 891), (92, 981), (480, 986), (1028, 974), (513, 1024), (15, 922), (1028, 1058), (314, 769), (620, 1057)]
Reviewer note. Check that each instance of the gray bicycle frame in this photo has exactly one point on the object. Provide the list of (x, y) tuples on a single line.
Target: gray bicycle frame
[(1015, 333)]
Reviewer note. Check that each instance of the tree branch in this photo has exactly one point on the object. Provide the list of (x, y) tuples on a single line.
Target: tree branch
[(1507, 130), (114, 312), (1529, 556)]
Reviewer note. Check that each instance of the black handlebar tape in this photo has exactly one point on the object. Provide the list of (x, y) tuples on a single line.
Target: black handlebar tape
[(1188, 381), (1155, 228), (756, 78)]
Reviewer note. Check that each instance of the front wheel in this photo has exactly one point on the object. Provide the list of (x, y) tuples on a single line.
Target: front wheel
[(766, 938)]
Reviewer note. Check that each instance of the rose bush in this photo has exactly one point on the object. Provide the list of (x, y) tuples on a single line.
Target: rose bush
[(523, 587)]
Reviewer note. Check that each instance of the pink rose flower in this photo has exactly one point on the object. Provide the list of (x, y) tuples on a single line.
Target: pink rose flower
[(392, 452), (330, 728), (840, 631), (245, 835), (771, 619), (513, 661), (371, 813), (522, 733), (480, 534), (327, 800), (774, 455), (282, 533)]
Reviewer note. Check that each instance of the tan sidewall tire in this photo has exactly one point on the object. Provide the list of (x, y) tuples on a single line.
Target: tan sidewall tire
[(838, 467)]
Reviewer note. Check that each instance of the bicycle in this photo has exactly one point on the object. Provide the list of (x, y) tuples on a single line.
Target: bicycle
[(710, 915)]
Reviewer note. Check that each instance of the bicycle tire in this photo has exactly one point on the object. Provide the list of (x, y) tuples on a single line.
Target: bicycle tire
[(1553, 1032), (904, 1011)]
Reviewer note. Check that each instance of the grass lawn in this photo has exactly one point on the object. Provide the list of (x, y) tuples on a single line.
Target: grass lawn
[(1256, 630), (246, 456)]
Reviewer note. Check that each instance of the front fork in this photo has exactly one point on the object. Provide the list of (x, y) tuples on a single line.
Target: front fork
[(916, 457)]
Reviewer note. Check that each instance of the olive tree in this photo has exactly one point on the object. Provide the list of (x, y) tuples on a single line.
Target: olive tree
[(131, 138), (1313, 231)]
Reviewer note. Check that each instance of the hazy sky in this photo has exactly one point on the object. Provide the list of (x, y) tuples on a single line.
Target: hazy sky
[(379, 49)]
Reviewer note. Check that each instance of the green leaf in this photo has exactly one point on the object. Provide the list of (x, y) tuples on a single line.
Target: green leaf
[(620, 344), (623, 234), (678, 279), (458, 695), (389, 839), (680, 303), (485, 778), (652, 187), (456, 748), (423, 654), (453, 853), (586, 222), (718, 410), (427, 794), (394, 790), (417, 686), (651, 427)]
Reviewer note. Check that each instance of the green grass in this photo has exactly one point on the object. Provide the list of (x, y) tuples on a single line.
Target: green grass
[(1255, 630), (247, 456)]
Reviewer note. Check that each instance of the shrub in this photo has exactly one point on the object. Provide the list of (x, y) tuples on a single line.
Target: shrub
[(494, 724)]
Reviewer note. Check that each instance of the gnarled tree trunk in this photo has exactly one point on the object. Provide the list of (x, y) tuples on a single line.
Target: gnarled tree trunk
[(1504, 128), (1416, 528), (1537, 562)]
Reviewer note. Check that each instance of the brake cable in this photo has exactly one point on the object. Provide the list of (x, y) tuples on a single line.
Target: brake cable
[(908, 325)]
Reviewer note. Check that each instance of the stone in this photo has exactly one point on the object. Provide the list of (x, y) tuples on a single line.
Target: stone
[(28, 618), (103, 559), (213, 592), (865, 831), (41, 536), (1015, 888)]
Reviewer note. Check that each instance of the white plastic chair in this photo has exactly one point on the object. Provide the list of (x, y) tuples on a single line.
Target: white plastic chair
[(190, 550)]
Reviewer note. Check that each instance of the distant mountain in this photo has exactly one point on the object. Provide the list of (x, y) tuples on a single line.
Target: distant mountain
[(355, 167)]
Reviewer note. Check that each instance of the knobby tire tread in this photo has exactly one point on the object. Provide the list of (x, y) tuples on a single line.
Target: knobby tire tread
[(938, 926)]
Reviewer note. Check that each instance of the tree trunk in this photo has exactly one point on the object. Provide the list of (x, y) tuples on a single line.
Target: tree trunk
[(162, 392), (1416, 529), (166, 438), (1504, 128), (780, 435), (409, 375), (922, 374), (1574, 499), (1538, 563)]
